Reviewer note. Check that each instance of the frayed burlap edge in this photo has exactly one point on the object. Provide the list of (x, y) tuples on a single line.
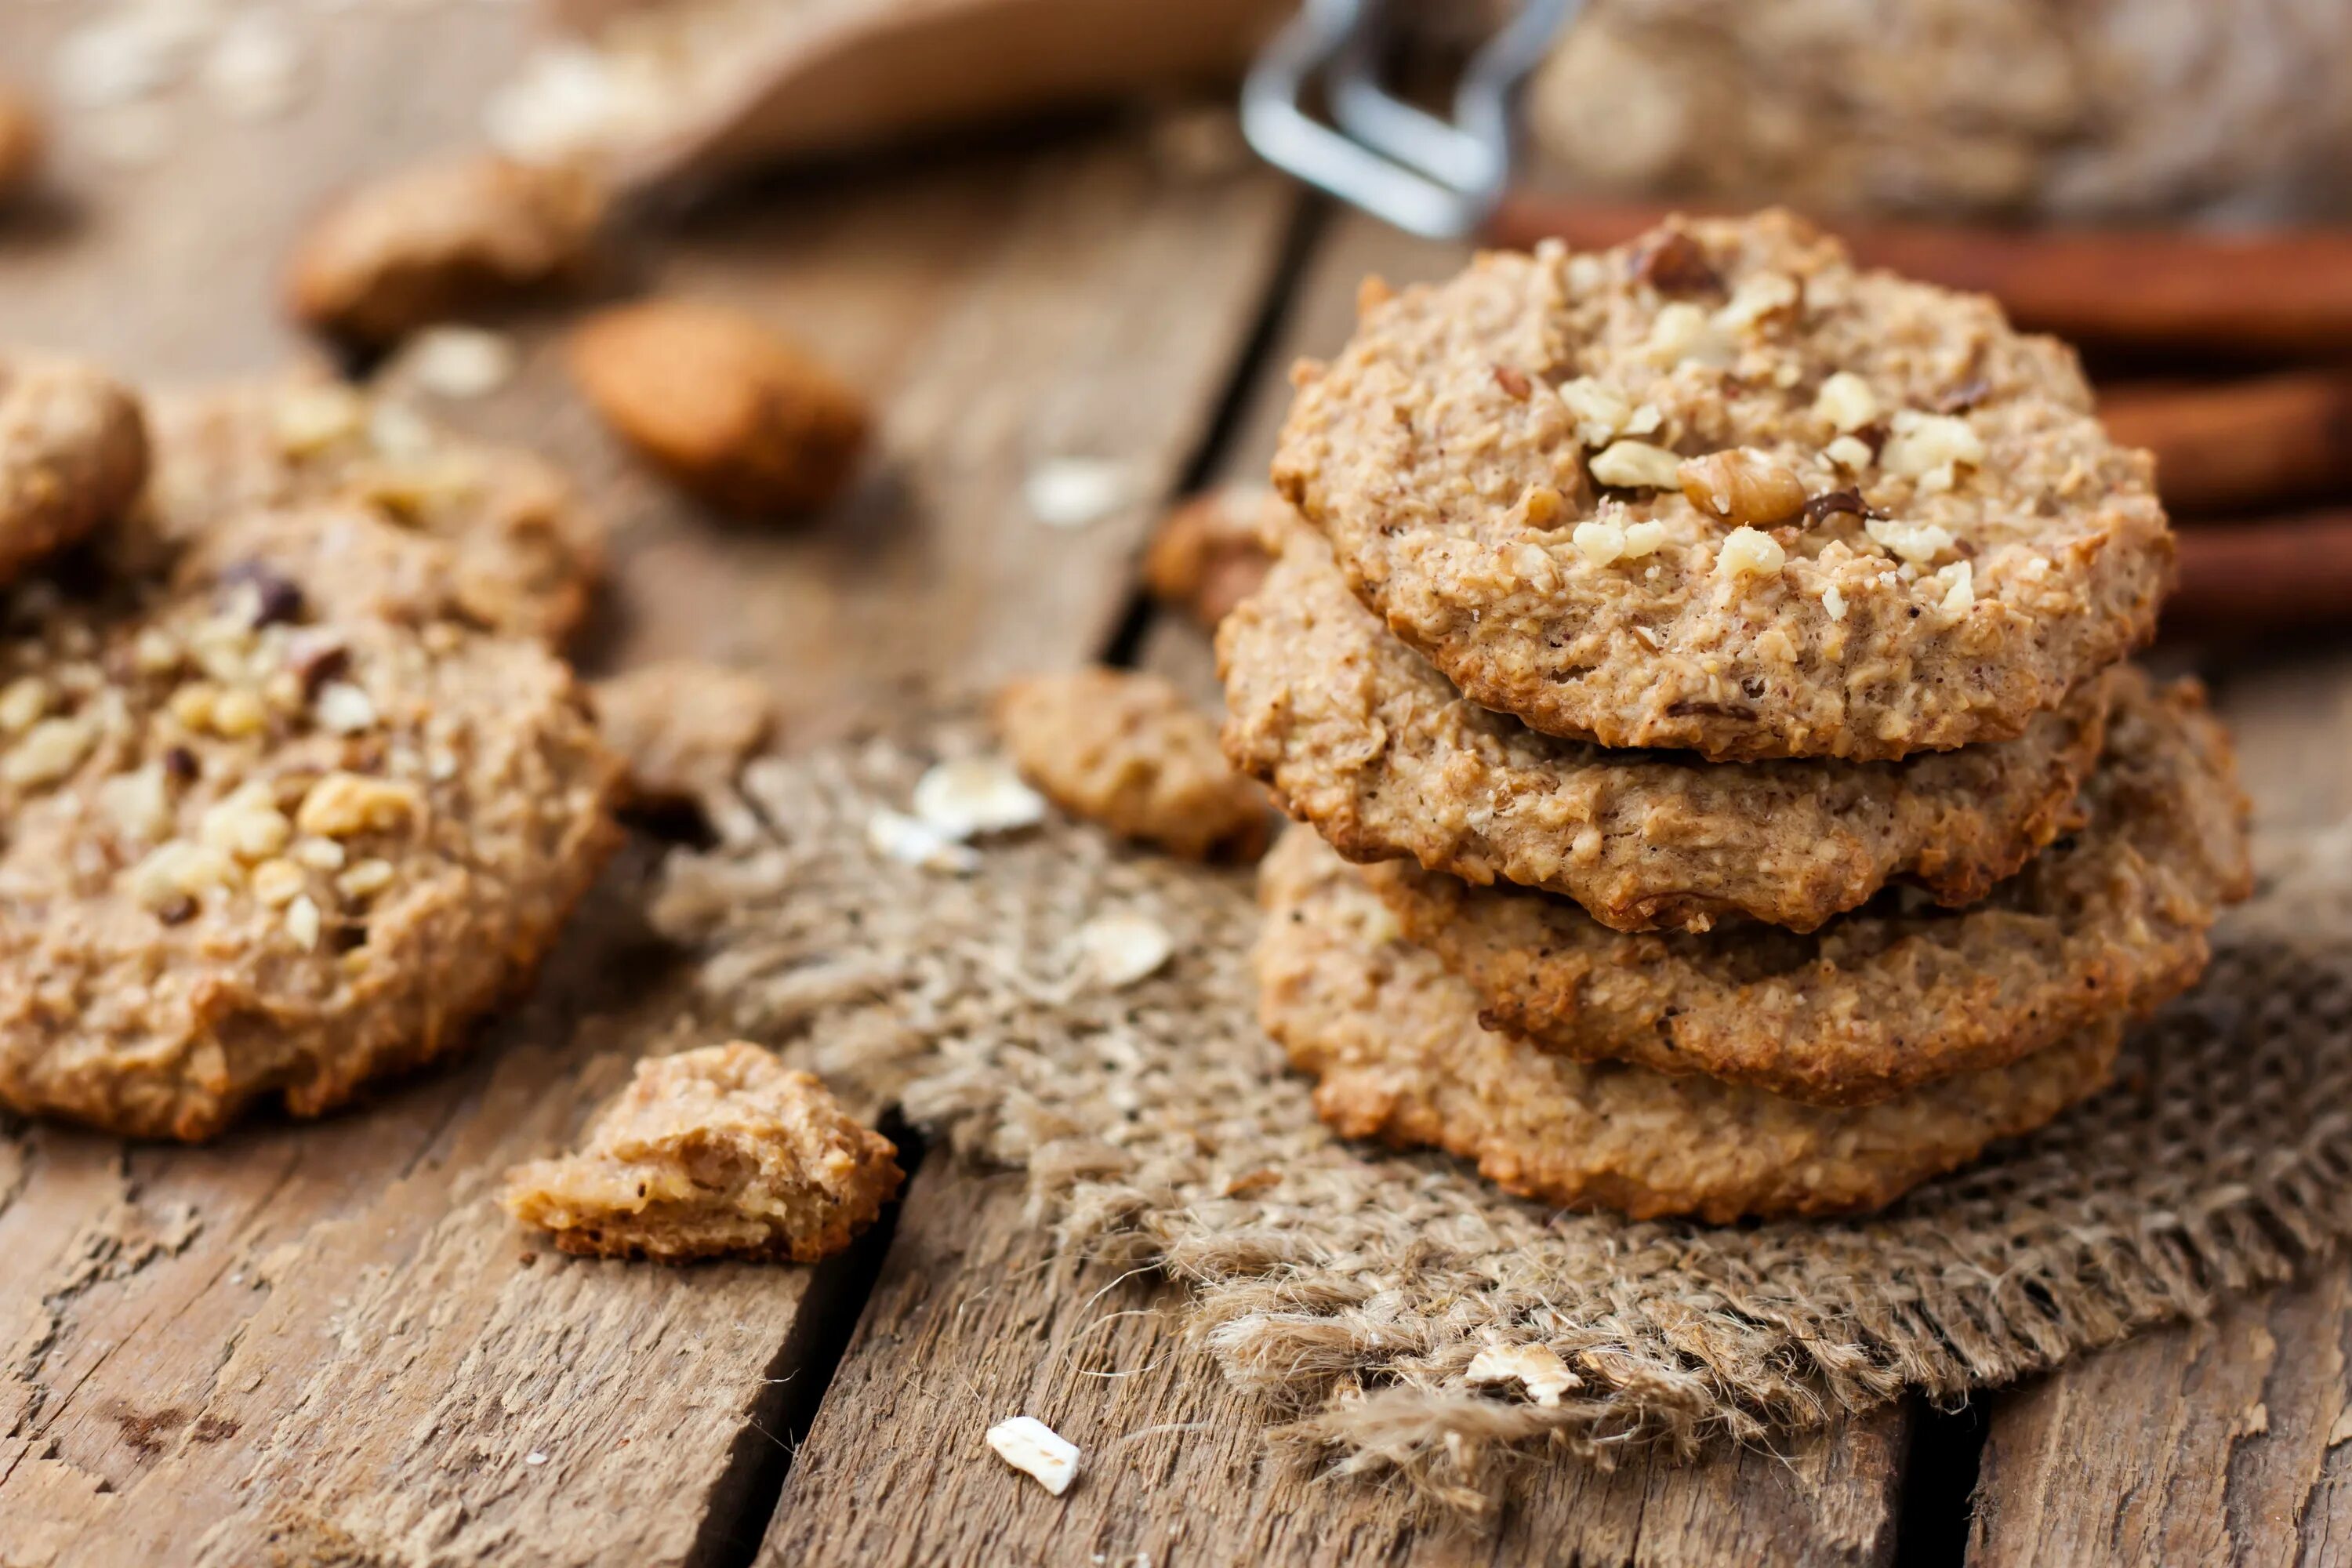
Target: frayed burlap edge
[(1352, 1288)]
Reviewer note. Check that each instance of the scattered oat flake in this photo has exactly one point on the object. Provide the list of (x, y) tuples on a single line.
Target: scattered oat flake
[(913, 842), (534, 1458), (1121, 949), (1071, 492), (253, 69), (1027, 1443), (972, 796), (1536, 1368), (460, 363)]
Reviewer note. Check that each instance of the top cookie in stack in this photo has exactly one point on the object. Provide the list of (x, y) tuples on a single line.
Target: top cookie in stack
[(1852, 565)]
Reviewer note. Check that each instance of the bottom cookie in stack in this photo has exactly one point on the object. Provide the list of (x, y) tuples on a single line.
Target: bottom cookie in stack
[(1751, 1070)]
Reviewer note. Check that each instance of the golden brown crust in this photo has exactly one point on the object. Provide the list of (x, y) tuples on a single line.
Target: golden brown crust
[(1129, 750), (73, 454), (2109, 922), (715, 1153), (682, 729), (732, 410), (257, 850), (433, 242), (1211, 552), (521, 555), (23, 141), (1360, 736), (1497, 463), (1402, 1056)]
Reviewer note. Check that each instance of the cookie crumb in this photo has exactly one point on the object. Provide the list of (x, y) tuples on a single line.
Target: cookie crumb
[(434, 242), (721, 1151), (1210, 552), (1637, 464), (734, 412), (682, 728), (1129, 750), (1028, 1445)]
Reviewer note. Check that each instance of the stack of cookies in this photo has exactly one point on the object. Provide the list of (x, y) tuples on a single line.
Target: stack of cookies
[(1708, 655)]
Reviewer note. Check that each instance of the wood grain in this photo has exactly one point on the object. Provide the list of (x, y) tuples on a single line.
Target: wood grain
[(974, 1319), (320, 1343), (2239, 445)]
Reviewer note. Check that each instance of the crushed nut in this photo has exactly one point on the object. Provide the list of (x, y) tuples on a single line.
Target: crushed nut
[(1847, 401), (318, 854), (1747, 551), (180, 870), (1851, 453), (1599, 412), (1675, 263), (344, 709), (1643, 538), (138, 803), (278, 882), (1028, 1445), (1959, 588), (1920, 443), (1917, 542), (1764, 294), (23, 701), (343, 804), (1833, 602), (303, 923), (1742, 486), (246, 823), (366, 879), (239, 712), (51, 749), (1600, 541), (1536, 1368), (1637, 464), (1685, 334)]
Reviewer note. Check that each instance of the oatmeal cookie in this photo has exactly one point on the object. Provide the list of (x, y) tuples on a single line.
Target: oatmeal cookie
[(73, 454), (682, 729), (524, 554), (2110, 920), (1721, 490), (1358, 734), (1211, 552), (1401, 1056), (716, 1153), (440, 240), (733, 412), (257, 851), (1128, 751)]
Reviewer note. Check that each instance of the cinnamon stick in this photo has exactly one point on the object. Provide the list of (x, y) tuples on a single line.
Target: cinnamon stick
[(2268, 576), (2286, 291), (2242, 445)]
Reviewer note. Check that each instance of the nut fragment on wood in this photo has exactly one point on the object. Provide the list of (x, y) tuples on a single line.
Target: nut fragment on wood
[(682, 728), (22, 142), (73, 454), (1211, 552), (734, 412), (1128, 750), (440, 240), (721, 1151), (1028, 1445)]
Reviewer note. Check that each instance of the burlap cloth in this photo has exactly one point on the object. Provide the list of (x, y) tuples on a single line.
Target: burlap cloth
[(1353, 1287)]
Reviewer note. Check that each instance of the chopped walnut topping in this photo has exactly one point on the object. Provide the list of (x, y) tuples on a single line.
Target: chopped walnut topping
[(1685, 334), (1833, 602), (51, 749), (1916, 543), (277, 882), (344, 709), (1637, 464), (1643, 538), (178, 871), (1741, 486), (366, 879), (1959, 588), (1600, 541), (23, 701), (1756, 298), (1599, 412), (303, 923), (246, 823), (1675, 263), (138, 803), (342, 805), (1748, 552), (1847, 401), (1851, 453), (1920, 443)]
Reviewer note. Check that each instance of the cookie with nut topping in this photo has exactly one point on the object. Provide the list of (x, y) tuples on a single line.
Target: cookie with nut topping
[(1399, 1055), (2109, 922), (1358, 735), (1719, 490), (73, 454), (260, 850), (523, 553)]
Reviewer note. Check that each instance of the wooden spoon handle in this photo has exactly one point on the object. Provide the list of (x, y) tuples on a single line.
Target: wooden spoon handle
[(2285, 292), (2240, 446), (2259, 577)]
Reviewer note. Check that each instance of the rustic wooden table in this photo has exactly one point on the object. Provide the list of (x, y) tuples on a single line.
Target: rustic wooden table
[(322, 1345)]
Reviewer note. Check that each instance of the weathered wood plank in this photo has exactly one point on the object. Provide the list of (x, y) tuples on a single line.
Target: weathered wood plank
[(973, 1321), (2226, 1440), (321, 1342)]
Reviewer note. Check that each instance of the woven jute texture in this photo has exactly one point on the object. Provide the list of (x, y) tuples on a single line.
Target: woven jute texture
[(1353, 1287)]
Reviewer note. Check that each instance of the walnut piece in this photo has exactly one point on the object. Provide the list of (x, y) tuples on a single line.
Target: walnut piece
[(440, 240), (733, 411), (1126, 750), (1740, 486), (721, 1151)]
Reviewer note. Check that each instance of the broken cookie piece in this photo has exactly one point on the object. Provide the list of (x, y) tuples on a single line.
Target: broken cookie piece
[(734, 413), (717, 1152), (1210, 552), (438, 241), (73, 452), (682, 728), (1128, 751), (22, 143)]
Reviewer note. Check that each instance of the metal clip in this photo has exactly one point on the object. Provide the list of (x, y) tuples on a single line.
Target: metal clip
[(1428, 175)]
